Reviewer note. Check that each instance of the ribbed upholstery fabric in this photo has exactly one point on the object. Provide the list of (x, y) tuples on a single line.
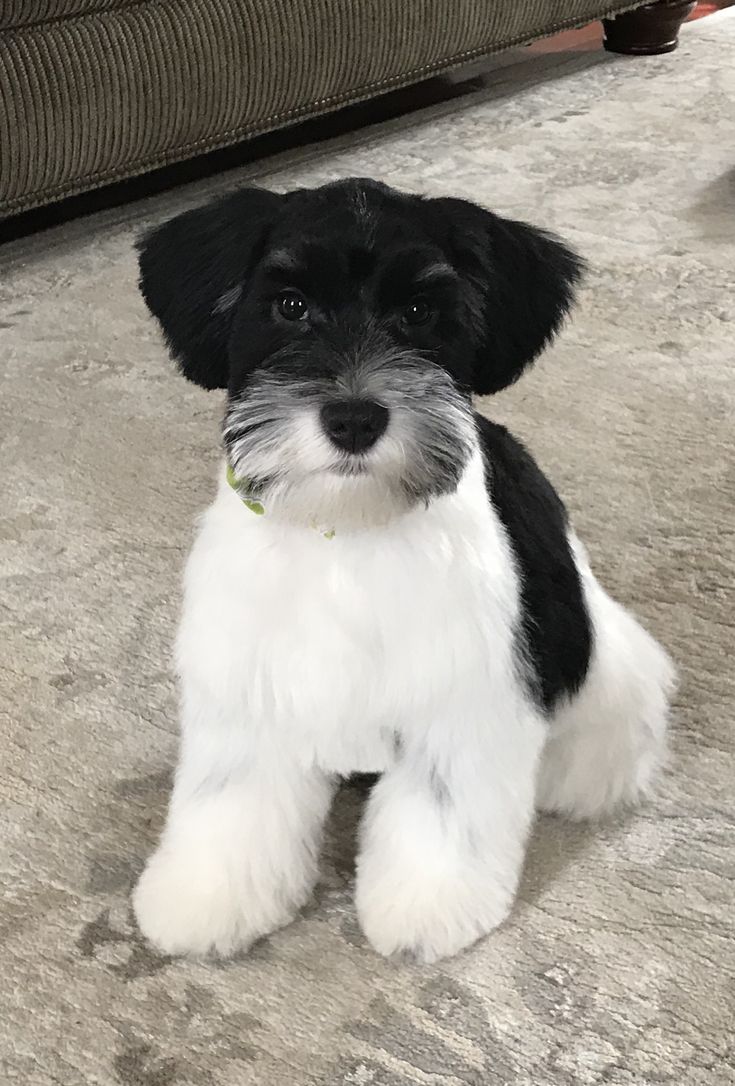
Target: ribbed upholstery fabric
[(92, 91), (28, 12)]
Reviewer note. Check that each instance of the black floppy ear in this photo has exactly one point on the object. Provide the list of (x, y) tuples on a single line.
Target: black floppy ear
[(192, 272), (523, 283)]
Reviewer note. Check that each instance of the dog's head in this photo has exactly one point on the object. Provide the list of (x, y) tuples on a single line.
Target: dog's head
[(350, 325)]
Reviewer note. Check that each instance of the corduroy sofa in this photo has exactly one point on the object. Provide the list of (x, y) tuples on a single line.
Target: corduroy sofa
[(94, 91)]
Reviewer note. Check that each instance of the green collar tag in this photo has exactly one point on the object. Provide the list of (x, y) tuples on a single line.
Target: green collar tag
[(240, 486)]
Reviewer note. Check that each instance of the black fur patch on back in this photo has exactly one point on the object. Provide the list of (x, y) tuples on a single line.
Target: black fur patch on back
[(556, 629)]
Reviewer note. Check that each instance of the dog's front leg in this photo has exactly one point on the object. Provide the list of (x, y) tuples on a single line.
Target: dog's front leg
[(239, 852), (445, 830)]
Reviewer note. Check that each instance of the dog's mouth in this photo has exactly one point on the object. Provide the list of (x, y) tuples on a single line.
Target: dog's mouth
[(308, 451), (351, 466)]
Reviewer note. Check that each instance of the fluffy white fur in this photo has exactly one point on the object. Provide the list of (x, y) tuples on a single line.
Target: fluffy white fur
[(607, 744), (389, 649)]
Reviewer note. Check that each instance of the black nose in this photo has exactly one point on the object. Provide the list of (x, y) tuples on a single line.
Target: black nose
[(354, 425)]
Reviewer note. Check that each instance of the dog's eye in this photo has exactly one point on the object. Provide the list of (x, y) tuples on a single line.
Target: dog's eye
[(418, 312), (292, 306)]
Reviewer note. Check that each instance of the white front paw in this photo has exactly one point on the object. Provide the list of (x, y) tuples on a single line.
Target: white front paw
[(186, 903), (427, 917)]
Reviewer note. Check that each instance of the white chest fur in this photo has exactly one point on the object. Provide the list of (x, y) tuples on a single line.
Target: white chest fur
[(346, 644)]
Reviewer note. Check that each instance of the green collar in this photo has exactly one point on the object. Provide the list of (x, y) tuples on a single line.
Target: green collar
[(241, 488)]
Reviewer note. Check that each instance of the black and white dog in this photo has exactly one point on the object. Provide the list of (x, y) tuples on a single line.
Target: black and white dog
[(386, 581)]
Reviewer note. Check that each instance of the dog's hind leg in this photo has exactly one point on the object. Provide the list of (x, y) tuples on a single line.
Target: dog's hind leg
[(607, 743)]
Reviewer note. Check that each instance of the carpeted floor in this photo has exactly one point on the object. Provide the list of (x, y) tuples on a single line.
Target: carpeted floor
[(617, 964)]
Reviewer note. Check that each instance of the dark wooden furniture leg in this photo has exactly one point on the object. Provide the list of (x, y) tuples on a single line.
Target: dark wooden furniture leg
[(653, 28)]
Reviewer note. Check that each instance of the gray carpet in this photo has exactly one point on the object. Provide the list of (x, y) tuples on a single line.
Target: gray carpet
[(617, 963)]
